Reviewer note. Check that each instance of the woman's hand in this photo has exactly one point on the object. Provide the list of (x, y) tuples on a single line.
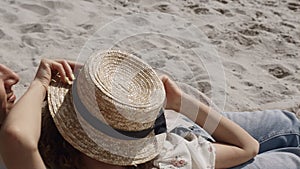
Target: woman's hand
[(21, 129), (48, 68), (173, 94)]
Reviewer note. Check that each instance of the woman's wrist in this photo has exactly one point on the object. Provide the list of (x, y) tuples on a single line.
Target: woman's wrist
[(37, 84), (189, 106), (178, 103)]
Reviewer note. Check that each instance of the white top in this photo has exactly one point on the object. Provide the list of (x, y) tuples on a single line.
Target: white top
[(184, 150)]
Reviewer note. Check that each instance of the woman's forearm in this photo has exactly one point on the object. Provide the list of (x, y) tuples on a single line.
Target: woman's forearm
[(21, 130), (235, 145), (25, 116)]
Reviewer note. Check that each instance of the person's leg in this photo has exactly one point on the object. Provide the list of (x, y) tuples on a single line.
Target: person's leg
[(278, 133), (273, 129)]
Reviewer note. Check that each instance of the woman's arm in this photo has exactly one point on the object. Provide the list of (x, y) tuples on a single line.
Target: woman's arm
[(234, 145), (21, 129)]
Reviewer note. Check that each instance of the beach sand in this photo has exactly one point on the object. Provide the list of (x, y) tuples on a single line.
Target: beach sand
[(256, 43), (245, 54)]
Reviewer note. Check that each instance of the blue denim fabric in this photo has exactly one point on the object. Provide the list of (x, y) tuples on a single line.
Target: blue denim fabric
[(278, 133), (183, 130)]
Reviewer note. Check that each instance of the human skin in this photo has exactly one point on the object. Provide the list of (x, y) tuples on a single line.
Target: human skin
[(21, 129), (8, 79), (233, 145)]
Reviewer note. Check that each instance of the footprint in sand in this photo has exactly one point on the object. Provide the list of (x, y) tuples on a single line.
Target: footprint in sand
[(294, 6), (86, 26), (30, 28), (165, 8), (244, 41), (291, 55), (223, 1), (288, 39), (288, 25), (271, 3), (277, 70), (263, 28), (204, 11), (225, 12), (276, 13), (36, 9), (259, 14), (197, 9), (249, 32), (204, 86), (249, 84), (192, 6), (251, 87)]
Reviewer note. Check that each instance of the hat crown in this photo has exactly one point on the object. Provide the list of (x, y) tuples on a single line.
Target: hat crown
[(123, 91)]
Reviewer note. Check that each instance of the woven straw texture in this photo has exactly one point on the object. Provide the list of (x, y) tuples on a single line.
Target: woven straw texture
[(119, 90)]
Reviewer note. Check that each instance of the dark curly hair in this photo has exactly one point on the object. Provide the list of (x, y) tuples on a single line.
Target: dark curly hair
[(57, 153)]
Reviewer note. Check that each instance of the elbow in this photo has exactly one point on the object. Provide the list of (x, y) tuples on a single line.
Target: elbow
[(256, 148), (253, 149), (8, 135), (12, 137)]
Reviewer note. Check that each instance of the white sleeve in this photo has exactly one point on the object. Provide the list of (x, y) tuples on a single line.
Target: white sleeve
[(191, 152)]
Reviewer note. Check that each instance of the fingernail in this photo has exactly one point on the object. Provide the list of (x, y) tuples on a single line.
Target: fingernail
[(68, 81), (72, 76)]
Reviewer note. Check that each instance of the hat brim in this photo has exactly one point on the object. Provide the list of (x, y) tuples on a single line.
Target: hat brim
[(92, 142)]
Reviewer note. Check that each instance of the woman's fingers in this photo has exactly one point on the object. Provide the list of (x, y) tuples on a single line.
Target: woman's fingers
[(169, 84), (68, 70), (173, 93), (163, 78), (74, 65), (48, 67), (69, 67), (60, 69), (64, 68)]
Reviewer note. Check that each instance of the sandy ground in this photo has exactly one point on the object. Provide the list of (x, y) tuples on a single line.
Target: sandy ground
[(244, 54), (257, 43)]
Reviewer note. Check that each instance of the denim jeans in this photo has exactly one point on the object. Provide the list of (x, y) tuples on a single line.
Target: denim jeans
[(278, 133)]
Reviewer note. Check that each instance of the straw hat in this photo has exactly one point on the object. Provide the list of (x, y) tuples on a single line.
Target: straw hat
[(111, 110)]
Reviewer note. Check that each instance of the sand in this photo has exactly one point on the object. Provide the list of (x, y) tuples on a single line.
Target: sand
[(256, 43), (244, 54)]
